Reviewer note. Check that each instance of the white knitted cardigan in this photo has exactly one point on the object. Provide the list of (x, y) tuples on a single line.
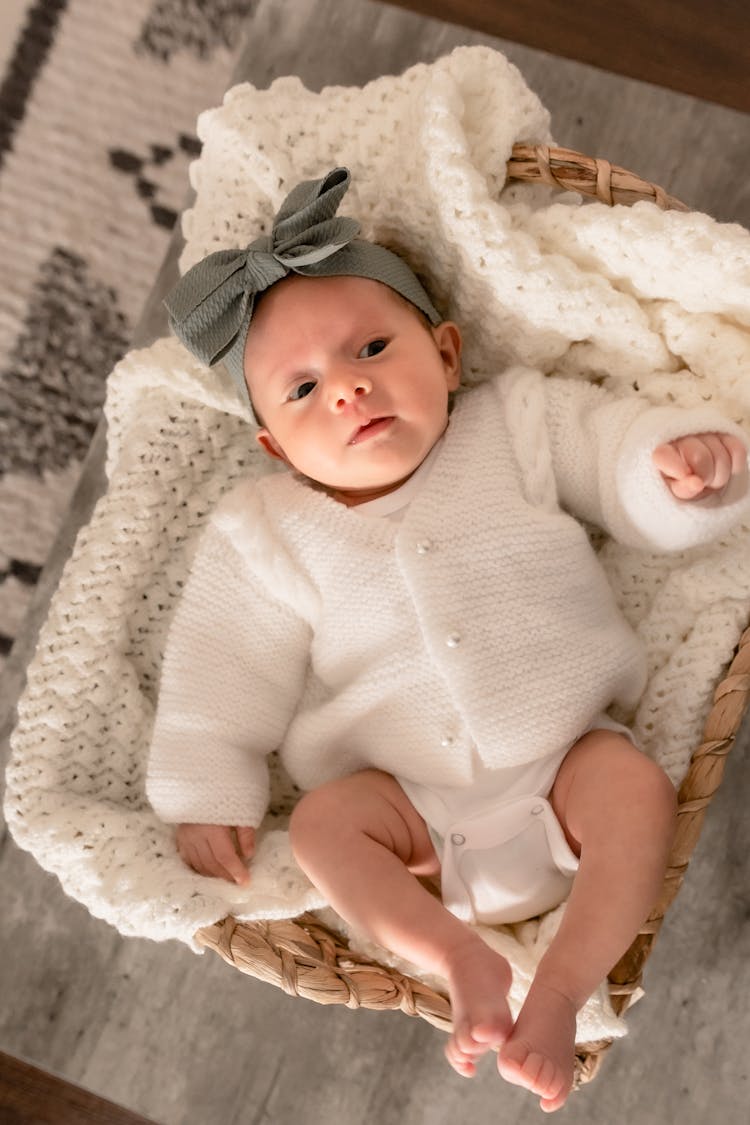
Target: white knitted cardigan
[(480, 622), (645, 302)]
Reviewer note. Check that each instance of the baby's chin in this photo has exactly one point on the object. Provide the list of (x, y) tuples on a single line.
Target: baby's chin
[(361, 493), (353, 497)]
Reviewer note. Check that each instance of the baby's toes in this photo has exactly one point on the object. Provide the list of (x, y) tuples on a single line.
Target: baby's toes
[(492, 1032), (473, 1042), (518, 1063), (460, 1060), (550, 1105), (511, 1062), (537, 1073)]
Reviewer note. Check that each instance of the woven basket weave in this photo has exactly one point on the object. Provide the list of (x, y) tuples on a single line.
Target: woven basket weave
[(305, 958)]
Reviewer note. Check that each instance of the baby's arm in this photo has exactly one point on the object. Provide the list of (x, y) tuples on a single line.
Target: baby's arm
[(217, 850), (602, 455), (700, 465), (232, 676)]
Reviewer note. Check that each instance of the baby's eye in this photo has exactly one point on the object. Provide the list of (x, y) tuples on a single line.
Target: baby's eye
[(302, 391), (373, 348)]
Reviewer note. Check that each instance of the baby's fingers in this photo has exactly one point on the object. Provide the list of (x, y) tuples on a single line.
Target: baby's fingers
[(209, 849), (715, 457), (227, 863), (737, 451), (199, 856), (668, 461), (680, 478), (700, 464), (246, 842), (706, 457), (716, 460)]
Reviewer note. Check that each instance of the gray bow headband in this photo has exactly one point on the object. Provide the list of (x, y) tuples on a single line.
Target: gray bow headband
[(211, 307)]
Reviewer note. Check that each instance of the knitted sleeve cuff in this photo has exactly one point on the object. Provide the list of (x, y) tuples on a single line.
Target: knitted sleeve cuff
[(241, 804)]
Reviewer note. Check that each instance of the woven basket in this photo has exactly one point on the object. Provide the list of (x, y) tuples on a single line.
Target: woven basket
[(305, 958)]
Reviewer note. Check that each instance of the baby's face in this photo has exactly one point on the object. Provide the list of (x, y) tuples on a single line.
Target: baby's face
[(351, 383)]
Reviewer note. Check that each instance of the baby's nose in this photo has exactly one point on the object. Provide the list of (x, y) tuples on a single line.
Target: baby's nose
[(345, 391)]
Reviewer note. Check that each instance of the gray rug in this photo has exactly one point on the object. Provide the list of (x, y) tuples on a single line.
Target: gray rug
[(97, 128)]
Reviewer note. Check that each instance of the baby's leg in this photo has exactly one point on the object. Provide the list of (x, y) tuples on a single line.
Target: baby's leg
[(617, 809), (362, 843)]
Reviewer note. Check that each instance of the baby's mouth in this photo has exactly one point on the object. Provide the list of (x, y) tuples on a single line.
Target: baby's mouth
[(371, 429)]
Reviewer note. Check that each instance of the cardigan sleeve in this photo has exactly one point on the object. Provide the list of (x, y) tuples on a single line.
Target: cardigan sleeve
[(232, 676), (601, 451)]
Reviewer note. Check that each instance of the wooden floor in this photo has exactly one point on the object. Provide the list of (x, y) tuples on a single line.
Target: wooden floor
[(31, 1096), (184, 1040), (686, 45)]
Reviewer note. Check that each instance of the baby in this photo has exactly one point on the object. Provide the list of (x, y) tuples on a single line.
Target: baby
[(380, 613)]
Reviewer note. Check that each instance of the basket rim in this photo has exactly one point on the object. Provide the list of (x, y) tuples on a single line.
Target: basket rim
[(570, 170)]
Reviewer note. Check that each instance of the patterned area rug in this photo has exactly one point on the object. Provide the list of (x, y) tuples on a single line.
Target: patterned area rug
[(97, 114)]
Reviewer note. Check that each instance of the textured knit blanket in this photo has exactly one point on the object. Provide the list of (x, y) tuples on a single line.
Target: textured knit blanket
[(644, 302)]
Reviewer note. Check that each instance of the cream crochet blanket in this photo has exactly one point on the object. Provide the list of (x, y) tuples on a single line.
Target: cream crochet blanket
[(643, 301)]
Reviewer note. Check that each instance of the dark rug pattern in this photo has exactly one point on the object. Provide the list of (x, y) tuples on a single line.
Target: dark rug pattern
[(68, 314)]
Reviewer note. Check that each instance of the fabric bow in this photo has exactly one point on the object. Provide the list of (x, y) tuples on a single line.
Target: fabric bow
[(211, 307), (213, 302)]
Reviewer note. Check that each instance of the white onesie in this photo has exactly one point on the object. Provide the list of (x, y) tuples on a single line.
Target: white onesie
[(503, 853)]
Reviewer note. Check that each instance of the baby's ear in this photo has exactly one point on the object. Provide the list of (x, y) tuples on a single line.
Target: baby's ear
[(268, 442), (448, 339)]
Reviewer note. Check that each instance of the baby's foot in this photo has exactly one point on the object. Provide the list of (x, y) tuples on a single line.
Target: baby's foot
[(478, 980), (540, 1052)]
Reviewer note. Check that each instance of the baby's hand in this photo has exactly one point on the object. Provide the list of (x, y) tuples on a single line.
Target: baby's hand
[(700, 464), (211, 849)]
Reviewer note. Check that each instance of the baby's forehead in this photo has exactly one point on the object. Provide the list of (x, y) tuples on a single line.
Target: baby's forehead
[(352, 291), (322, 304)]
